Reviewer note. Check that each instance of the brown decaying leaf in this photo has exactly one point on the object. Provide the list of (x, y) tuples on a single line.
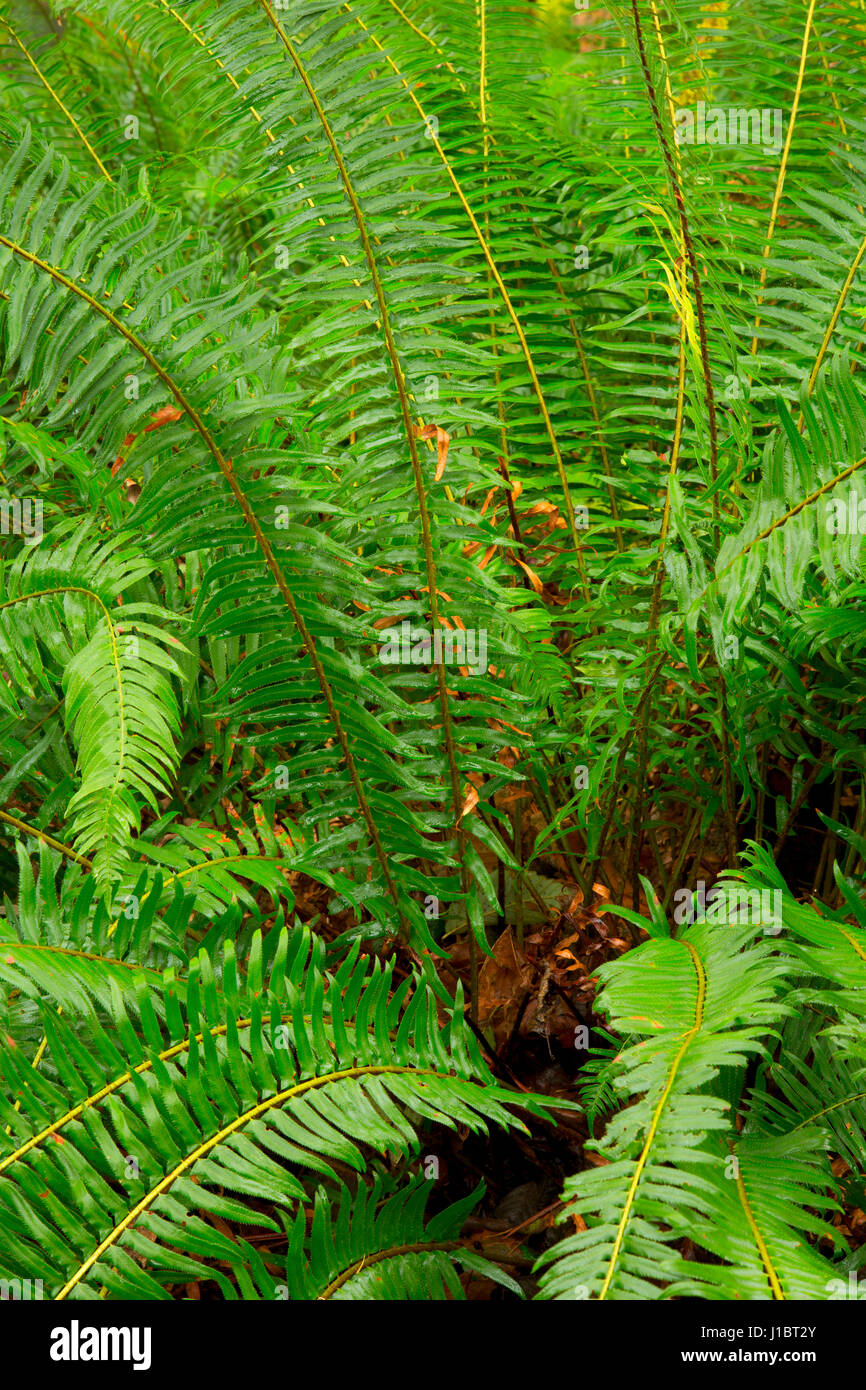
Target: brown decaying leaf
[(470, 802), (164, 416), (531, 576), (504, 979), (443, 439)]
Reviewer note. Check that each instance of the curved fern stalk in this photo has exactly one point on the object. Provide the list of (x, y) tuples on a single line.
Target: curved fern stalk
[(783, 166), (47, 839), (110, 987), (686, 998), (56, 99), (269, 134), (391, 346), (47, 956), (831, 87), (213, 867), (264, 1079), (640, 716), (197, 421), (777, 562), (834, 319), (481, 15), (40, 969), (128, 55), (778, 1170), (218, 874), (53, 948), (397, 372), (805, 467), (499, 283), (485, 138), (408, 426), (446, 63), (63, 944), (202, 42), (503, 292)]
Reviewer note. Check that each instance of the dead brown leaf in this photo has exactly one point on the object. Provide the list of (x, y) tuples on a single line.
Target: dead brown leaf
[(443, 439), (504, 979)]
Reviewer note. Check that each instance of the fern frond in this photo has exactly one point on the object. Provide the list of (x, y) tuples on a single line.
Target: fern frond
[(119, 704), (256, 1091), (690, 998), (365, 1245)]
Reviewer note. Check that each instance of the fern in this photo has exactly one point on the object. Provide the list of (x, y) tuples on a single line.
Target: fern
[(333, 338), (202, 1104)]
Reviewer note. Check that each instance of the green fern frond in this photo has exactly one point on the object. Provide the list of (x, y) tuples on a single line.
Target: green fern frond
[(703, 1003), (115, 674), (364, 1245), (260, 1083)]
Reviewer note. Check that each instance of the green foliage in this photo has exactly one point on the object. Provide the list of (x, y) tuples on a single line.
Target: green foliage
[(320, 321), (674, 1165), (235, 1086)]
